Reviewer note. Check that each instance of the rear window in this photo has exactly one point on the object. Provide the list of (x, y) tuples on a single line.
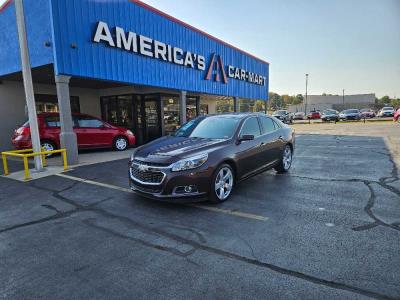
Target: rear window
[(53, 121)]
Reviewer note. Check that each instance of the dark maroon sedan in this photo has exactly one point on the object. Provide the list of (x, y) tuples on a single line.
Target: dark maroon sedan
[(208, 155)]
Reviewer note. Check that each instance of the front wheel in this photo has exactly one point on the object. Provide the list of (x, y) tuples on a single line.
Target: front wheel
[(286, 160), (120, 143), (222, 184)]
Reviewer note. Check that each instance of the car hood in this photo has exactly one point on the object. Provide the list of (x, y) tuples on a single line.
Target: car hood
[(168, 149)]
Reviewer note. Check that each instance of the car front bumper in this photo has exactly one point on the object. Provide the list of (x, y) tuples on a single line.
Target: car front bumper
[(172, 186)]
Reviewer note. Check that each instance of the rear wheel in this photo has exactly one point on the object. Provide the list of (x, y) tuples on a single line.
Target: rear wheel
[(48, 146), (286, 160), (222, 184), (120, 143)]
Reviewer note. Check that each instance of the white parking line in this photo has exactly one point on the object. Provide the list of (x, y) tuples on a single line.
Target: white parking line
[(205, 207)]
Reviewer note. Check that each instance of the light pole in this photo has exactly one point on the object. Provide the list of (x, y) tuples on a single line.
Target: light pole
[(27, 78), (343, 99), (305, 104)]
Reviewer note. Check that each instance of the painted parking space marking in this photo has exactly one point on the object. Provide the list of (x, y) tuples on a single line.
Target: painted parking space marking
[(204, 207), (230, 212), (109, 186)]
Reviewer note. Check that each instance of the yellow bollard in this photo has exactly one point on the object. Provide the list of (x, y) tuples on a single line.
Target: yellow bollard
[(26, 167), (44, 160), (5, 165), (64, 154)]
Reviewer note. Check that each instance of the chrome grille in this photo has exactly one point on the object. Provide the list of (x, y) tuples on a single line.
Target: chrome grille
[(146, 175)]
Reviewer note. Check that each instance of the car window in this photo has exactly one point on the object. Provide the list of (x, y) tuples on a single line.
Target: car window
[(90, 123), (251, 127), (267, 124), (53, 121)]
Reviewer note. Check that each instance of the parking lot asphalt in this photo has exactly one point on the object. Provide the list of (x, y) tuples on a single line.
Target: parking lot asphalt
[(328, 229)]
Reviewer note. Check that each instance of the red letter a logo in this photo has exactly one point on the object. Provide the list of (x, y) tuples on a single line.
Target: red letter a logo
[(218, 65)]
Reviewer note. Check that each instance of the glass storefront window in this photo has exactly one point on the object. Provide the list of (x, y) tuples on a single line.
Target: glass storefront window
[(191, 111), (118, 110), (49, 103), (249, 105), (170, 106), (224, 105), (203, 109)]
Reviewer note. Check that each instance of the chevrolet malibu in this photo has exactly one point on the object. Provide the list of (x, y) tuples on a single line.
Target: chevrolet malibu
[(209, 155)]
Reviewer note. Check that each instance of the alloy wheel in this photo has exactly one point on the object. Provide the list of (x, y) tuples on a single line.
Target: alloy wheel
[(120, 144), (48, 147), (287, 158), (224, 183)]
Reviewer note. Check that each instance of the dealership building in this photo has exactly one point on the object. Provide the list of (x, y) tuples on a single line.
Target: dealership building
[(125, 62)]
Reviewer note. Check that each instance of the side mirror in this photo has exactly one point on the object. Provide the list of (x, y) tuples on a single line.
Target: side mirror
[(245, 137)]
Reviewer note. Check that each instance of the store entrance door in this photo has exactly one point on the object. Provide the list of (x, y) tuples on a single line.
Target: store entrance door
[(152, 118)]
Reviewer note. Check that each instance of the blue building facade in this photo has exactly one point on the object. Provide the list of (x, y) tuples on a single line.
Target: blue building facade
[(117, 43)]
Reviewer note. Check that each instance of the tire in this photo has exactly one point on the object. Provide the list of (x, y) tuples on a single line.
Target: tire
[(120, 143), (286, 160), (48, 146), (220, 190)]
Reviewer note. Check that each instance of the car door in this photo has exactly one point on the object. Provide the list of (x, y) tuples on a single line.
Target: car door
[(92, 132), (270, 141), (249, 153)]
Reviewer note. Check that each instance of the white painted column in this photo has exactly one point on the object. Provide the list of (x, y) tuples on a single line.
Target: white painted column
[(67, 136)]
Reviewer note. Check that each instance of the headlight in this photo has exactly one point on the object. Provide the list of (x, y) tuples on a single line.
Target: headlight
[(129, 132), (190, 163), (133, 154)]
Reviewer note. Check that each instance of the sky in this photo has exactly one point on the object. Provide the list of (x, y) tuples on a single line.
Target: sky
[(342, 44)]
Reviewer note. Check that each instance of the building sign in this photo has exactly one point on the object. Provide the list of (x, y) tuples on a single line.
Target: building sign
[(140, 44)]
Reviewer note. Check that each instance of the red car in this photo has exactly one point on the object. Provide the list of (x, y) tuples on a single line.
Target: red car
[(314, 115), (91, 132), (367, 113), (396, 116)]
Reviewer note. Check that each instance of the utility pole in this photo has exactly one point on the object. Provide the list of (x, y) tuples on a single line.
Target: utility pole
[(305, 105), (28, 85), (343, 99)]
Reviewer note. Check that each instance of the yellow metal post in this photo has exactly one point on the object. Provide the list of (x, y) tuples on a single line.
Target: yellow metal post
[(44, 160), (5, 165), (26, 167), (64, 154)]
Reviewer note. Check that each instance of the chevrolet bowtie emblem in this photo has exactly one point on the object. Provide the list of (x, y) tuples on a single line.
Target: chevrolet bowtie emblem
[(143, 168)]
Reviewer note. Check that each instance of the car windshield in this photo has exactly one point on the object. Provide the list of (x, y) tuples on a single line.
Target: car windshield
[(215, 127), (387, 108), (351, 111)]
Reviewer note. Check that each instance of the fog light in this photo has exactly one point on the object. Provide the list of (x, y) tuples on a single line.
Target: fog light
[(187, 189)]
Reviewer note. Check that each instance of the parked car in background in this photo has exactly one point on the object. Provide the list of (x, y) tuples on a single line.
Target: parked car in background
[(91, 132), (330, 115), (283, 115), (386, 111), (350, 114), (396, 116), (299, 116), (312, 115), (208, 155), (367, 113)]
